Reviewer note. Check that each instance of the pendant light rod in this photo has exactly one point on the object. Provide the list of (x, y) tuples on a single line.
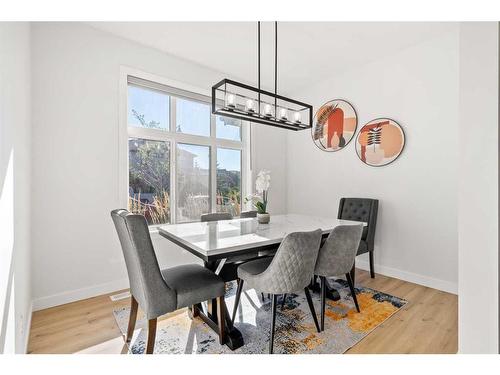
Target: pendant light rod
[(275, 67), (258, 62), (238, 99), (276, 57), (275, 64)]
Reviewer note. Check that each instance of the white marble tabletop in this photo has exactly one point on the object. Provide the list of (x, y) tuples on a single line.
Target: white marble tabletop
[(228, 236)]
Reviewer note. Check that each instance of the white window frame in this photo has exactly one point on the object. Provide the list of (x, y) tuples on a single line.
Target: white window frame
[(173, 137)]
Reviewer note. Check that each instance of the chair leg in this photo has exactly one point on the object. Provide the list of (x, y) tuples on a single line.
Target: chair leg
[(353, 292), (323, 300), (132, 319), (283, 301), (311, 307), (195, 311), (263, 297), (372, 269), (353, 273), (151, 336), (221, 314), (273, 321), (237, 298)]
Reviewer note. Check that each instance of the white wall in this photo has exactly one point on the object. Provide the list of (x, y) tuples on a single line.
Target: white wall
[(270, 153), (76, 73), (478, 194), (416, 236), (15, 283)]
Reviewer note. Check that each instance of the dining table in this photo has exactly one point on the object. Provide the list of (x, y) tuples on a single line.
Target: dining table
[(223, 245)]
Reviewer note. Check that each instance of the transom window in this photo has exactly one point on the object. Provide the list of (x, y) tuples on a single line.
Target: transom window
[(182, 160)]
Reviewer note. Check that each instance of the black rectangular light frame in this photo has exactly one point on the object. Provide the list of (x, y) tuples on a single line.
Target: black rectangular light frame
[(258, 116)]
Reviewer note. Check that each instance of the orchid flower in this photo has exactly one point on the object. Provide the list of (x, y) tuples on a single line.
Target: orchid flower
[(259, 199)]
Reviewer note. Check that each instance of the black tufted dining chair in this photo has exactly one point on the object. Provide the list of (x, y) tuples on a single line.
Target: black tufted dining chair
[(365, 210)]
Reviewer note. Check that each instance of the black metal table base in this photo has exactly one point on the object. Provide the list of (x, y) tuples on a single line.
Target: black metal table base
[(331, 293), (234, 338)]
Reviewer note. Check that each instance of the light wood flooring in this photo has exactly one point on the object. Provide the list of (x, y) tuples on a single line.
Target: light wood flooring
[(427, 324)]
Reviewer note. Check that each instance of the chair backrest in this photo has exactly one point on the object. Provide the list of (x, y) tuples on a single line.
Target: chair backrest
[(361, 209), (216, 216), (293, 264), (146, 282), (246, 214), (336, 256)]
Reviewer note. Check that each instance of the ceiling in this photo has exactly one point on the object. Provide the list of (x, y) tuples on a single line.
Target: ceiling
[(307, 51)]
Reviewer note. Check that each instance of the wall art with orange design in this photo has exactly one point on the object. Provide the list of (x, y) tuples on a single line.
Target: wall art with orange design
[(334, 125), (380, 142)]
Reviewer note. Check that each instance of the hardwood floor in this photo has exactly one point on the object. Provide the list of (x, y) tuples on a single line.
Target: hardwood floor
[(427, 324)]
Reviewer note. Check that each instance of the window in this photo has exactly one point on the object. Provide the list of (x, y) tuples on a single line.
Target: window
[(148, 108), (228, 128), (182, 161), (193, 179), (192, 117), (149, 179), (228, 180)]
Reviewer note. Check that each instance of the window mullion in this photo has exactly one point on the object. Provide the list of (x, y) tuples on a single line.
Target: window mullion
[(213, 165), (213, 177), (173, 163), (173, 114), (246, 164), (173, 181)]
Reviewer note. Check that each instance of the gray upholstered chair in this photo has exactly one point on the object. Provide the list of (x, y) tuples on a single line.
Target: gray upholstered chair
[(263, 253), (365, 210), (336, 257), (246, 214), (216, 216), (157, 291), (290, 270)]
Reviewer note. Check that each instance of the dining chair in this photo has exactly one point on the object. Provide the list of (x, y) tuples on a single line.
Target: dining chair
[(234, 261), (247, 214), (290, 270), (336, 257), (262, 253), (216, 216), (365, 210), (160, 291), (225, 216)]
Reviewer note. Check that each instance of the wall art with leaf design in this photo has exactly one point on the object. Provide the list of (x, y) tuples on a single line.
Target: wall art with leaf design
[(380, 142), (334, 125)]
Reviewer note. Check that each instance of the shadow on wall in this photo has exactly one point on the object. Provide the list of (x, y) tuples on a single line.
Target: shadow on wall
[(7, 291)]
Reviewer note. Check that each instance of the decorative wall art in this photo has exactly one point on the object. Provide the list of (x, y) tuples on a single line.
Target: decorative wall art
[(380, 142), (334, 125)]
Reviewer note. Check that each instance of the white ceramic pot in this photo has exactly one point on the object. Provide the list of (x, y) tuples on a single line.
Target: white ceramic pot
[(263, 218)]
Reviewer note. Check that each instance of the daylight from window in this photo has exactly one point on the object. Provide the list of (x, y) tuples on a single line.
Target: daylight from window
[(155, 132)]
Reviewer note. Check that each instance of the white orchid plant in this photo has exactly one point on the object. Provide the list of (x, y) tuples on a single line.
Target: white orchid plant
[(259, 198)]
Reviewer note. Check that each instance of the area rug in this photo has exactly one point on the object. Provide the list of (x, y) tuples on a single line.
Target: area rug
[(295, 330)]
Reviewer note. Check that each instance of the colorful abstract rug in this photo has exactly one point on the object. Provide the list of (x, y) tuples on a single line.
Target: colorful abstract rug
[(295, 330)]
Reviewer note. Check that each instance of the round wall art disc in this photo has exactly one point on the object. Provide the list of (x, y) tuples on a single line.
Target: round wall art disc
[(334, 125), (380, 142)]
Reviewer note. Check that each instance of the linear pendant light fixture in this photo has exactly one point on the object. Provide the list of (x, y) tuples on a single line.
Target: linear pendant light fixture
[(238, 100)]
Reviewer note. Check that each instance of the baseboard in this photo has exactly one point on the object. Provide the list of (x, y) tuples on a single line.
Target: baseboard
[(27, 328), (96, 290), (78, 294), (445, 286)]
